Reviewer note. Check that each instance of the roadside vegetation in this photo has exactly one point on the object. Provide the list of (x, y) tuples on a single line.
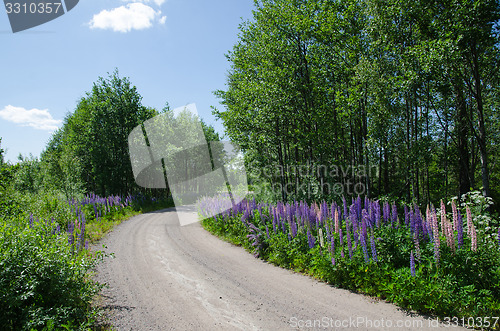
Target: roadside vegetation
[(53, 209), (442, 261), (369, 131)]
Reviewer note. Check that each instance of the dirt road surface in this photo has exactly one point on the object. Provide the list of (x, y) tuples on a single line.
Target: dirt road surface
[(168, 277)]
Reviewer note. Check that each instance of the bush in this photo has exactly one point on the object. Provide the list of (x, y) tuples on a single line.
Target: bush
[(43, 282)]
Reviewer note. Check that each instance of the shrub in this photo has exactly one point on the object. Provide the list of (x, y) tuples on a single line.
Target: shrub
[(43, 282)]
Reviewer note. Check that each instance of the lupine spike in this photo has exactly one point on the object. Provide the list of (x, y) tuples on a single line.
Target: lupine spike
[(374, 249), (460, 230), (455, 215), (412, 264), (473, 238)]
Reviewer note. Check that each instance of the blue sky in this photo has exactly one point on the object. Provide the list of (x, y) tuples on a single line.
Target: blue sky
[(172, 50)]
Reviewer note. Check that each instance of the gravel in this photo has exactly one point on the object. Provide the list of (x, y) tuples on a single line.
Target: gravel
[(167, 277)]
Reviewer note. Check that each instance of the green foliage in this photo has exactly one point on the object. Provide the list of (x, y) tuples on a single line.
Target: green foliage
[(465, 283), (90, 152), (407, 88), (27, 175), (43, 282)]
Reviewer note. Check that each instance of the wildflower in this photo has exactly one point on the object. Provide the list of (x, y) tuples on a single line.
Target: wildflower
[(417, 246), (310, 239), (455, 215), (386, 212), (469, 222), (473, 238), (460, 230), (443, 217), (374, 249), (320, 235), (365, 249), (435, 234), (412, 264), (337, 224), (394, 215), (349, 244)]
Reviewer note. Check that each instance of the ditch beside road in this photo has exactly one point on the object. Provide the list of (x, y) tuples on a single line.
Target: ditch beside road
[(167, 277)]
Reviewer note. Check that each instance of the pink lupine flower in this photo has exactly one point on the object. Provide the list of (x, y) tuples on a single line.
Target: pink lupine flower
[(443, 216), (450, 235), (435, 234), (455, 214), (473, 238), (469, 222)]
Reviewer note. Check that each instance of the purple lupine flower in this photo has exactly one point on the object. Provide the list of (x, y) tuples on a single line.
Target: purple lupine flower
[(365, 218), (310, 239), (336, 220), (412, 264), (267, 232), (349, 244), (395, 215), (328, 232), (70, 230), (418, 221), (293, 227), (499, 236), (332, 247), (386, 212), (365, 249), (378, 215), (417, 246), (345, 207), (358, 207), (333, 260), (341, 237), (374, 249), (413, 219)]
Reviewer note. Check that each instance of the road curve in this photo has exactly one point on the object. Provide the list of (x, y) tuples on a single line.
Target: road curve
[(167, 277)]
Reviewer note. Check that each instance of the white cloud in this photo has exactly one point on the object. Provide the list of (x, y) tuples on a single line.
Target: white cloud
[(133, 16), (39, 119), (162, 19)]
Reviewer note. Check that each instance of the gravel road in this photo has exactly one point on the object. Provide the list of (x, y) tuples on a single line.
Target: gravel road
[(168, 277)]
